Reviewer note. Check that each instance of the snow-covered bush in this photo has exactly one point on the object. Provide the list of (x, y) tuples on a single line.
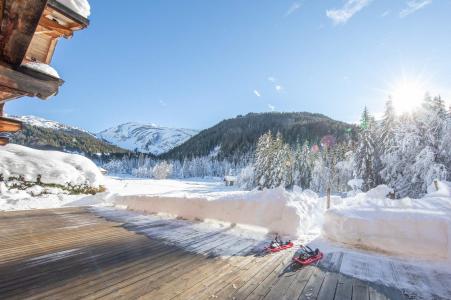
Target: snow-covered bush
[(162, 170), (29, 169), (53, 167), (246, 178)]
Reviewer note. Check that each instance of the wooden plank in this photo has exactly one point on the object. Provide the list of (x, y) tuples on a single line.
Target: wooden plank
[(55, 26), (298, 285), (52, 47), (329, 286), (344, 288), (9, 125), (246, 276), (19, 21), (360, 290), (311, 290), (264, 287), (375, 295), (211, 283), (279, 289), (251, 285)]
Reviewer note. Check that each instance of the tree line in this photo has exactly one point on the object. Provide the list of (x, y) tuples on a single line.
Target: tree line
[(405, 151)]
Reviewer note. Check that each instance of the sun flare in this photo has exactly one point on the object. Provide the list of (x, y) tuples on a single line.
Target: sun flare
[(408, 94)]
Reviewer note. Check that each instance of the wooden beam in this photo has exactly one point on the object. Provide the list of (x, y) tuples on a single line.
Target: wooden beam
[(52, 47), (19, 21), (3, 140), (53, 25), (9, 125), (29, 82)]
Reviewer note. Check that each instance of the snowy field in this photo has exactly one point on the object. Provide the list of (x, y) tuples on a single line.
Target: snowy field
[(400, 243)]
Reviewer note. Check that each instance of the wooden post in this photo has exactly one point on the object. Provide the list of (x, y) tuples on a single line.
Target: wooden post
[(328, 197), (436, 184)]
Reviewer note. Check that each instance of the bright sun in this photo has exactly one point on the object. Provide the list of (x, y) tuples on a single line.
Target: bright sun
[(407, 95)]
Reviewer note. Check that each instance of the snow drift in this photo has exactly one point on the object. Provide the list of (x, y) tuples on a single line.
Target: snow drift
[(407, 227), (287, 213), (54, 167)]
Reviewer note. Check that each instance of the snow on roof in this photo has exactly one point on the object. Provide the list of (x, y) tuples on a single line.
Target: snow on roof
[(43, 68), (81, 7)]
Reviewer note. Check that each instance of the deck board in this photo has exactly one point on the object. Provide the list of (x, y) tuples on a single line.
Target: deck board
[(75, 253)]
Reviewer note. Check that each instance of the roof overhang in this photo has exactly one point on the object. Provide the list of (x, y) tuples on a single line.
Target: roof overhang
[(27, 82)]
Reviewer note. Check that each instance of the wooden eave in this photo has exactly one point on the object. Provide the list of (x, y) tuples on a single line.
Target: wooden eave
[(28, 82), (10, 125)]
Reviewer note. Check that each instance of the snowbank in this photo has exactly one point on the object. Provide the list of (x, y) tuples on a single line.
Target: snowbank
[(43, 68), (287, 213), (408, 227), (53, 166), (81, 7)]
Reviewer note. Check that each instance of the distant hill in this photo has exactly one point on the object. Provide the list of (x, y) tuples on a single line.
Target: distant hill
[(234, 137), (146, 138), (45, 134)]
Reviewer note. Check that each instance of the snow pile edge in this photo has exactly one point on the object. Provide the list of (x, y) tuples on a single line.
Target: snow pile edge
[(276, 210), (417, 228)]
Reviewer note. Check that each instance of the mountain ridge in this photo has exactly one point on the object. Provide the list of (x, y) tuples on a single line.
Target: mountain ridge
[(146, 138), (239, 135)]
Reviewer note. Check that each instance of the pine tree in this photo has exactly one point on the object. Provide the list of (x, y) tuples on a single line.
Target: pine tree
[(263, 157), (365, 154), (386, 137), (302, 165)]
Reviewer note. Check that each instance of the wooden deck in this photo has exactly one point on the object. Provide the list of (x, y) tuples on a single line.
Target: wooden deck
[(73, 253)]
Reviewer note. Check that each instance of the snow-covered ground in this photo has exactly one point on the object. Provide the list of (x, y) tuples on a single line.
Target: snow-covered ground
[(399, 243)]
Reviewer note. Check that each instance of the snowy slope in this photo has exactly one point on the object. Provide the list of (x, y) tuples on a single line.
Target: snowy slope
[(44, 123), (148, 138)]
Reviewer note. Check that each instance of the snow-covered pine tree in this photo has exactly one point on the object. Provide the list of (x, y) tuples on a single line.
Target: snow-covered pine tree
[(281, 171), (365, 154), (321, 175), (445, 145), (302, 165), (263, 160), (386, 136)]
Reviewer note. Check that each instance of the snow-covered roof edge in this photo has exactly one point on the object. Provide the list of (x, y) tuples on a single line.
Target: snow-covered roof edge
[(81, 8)]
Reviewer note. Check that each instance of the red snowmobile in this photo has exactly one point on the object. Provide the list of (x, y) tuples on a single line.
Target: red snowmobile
[(278, 245), (306, 256)]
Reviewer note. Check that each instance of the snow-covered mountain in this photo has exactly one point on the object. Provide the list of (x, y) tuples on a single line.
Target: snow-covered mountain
[(44, 123), (46, 134), (148, 138)]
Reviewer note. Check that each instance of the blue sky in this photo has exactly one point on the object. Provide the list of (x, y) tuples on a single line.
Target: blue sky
[(193, 63)]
